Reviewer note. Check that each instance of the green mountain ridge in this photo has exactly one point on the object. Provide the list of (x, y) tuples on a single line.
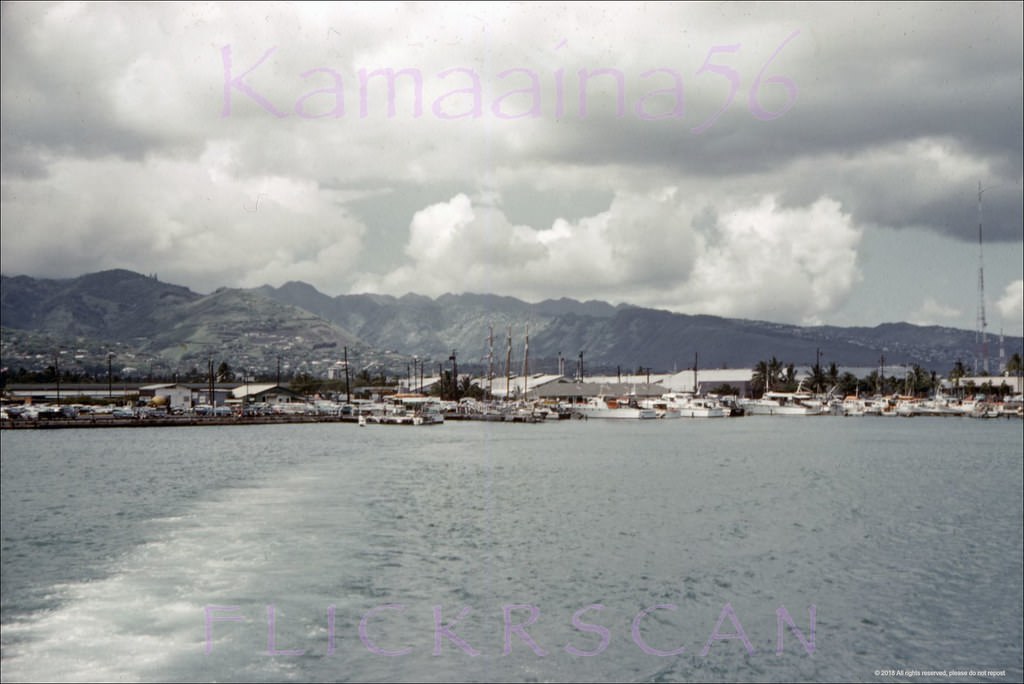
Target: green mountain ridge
[(306, 330)]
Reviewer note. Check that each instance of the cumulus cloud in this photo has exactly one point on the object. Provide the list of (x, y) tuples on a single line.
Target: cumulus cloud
[(788, 264), (1011, 306), (192, 223), (661, 250), (132, 138), (933, 312)]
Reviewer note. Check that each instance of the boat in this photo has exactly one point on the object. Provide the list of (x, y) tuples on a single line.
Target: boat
[(852, 405), (784, 404), (405, 409), (662, 407), (613, 407), (691, 406)]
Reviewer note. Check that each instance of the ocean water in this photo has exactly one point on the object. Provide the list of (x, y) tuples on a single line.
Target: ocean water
[(753, 549)]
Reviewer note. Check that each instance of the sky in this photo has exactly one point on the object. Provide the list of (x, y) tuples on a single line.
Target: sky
[(798, 163)]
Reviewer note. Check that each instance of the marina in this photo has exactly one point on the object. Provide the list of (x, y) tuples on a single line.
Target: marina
[(426, 412)]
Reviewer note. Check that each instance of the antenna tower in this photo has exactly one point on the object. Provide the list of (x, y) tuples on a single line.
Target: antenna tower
[(980, 336)]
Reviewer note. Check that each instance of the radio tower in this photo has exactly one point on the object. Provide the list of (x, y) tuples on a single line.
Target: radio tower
[(980, 338)]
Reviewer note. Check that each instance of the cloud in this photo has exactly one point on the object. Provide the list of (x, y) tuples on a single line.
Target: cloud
[(785, 264), (932, 312), (193, 222), (660, 250), (117, 152), (1011, 307)]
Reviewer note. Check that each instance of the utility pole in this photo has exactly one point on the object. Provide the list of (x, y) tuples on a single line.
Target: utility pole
[(348, 390), (695, 373), (455, 376)]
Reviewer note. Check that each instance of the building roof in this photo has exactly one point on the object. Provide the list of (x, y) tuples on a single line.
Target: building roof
[(501, 386), (569, 388), (256, 389)]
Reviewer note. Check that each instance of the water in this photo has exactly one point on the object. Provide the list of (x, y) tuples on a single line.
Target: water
[(899, 541)]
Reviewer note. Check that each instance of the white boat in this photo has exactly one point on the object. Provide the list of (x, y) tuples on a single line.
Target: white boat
[(406, 410), (784, 404), (853, 405), (662, 407), (690, 406), (609, 407)]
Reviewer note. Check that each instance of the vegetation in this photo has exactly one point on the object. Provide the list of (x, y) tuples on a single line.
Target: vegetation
[(1015, 366), (449, 391), (771, 374)]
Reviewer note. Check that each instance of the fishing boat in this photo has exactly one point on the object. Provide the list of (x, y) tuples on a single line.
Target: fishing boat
[(613, 407), (662, 407), (783, 404), (691, 406), (406, 410)]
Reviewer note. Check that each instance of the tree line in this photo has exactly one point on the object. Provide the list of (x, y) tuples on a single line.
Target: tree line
[(774, 375)]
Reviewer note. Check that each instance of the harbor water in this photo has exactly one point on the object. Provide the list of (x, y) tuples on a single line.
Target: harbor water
[(751, 549)]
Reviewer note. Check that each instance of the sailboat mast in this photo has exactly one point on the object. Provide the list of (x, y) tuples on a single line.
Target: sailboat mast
[(490, 361), (526, 361), (508, 367)]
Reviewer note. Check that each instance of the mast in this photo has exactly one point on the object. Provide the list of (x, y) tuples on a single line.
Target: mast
[(526, 362), (490, 361), (508, 367)]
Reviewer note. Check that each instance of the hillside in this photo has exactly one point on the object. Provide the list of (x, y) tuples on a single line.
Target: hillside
[(169, 327)]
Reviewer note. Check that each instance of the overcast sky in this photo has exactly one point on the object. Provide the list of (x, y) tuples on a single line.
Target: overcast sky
[(795, 163)]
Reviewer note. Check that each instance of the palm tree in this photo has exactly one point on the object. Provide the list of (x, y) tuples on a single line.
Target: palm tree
[(467, 388), (1014, 365), (957, 373), (767, 374), (790, 378), (760, 381), (224, 372)]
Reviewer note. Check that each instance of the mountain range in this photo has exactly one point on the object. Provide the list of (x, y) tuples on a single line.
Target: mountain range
[(141, 318)]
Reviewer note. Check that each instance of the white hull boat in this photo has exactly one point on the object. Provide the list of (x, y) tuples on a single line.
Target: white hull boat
[(604, 407)]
